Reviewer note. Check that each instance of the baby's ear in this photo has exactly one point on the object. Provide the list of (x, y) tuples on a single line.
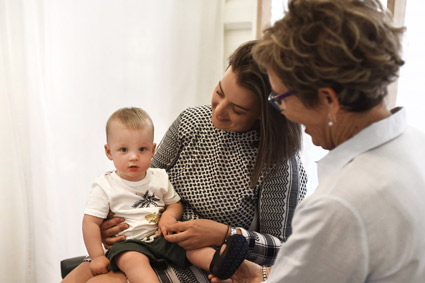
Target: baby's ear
[(153, 148), (108, 151)]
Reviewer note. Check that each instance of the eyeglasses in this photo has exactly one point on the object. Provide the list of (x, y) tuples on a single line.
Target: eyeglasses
[(275, 99)]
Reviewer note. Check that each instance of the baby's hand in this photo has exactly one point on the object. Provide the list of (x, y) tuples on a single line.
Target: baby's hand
[(99, 265), (164, 222)]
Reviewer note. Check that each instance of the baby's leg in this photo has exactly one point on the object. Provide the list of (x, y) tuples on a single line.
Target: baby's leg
[(136, 266), (201, 257), (223, 263)]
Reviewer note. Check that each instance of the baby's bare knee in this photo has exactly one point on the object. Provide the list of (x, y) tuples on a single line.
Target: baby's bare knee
[(130, 258)]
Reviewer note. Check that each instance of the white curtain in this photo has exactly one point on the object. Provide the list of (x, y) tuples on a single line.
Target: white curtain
[(65, 66)]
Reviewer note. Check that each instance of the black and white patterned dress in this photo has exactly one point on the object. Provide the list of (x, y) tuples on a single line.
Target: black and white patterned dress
[(210, 170)]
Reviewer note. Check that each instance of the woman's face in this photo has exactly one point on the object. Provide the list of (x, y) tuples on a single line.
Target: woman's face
[(234, 108), (314, 119)]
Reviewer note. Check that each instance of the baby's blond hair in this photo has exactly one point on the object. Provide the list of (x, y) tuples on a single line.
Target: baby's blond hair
[(130, 117)]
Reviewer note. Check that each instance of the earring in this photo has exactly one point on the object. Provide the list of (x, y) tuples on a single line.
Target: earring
[(331, 120)]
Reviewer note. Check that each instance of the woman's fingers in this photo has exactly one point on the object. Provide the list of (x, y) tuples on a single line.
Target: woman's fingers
[(218, 280), (186, 240), (176, 237), (114, 239), (111, 227), (186, 244), (195, 234), (111, 222), (178, 227)]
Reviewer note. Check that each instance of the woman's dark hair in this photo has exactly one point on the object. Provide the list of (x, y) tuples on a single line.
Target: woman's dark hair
[(279, 137)]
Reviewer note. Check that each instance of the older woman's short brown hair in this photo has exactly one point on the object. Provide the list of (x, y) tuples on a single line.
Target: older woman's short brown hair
[(349, 45)]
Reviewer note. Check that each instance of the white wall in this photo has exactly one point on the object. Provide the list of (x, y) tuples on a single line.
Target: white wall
[(239, 24)]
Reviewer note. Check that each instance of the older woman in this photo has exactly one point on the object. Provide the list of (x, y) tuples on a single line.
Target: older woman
[(236, 167), (329, 63)]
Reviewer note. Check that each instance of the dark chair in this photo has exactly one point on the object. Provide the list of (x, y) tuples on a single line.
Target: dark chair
[(67, 265)]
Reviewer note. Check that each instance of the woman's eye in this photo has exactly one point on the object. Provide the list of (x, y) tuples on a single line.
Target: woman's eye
[(237, 111), (123, 149), (219, 93)]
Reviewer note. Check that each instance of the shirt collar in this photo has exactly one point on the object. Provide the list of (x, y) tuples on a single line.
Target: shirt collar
[(372, 136)]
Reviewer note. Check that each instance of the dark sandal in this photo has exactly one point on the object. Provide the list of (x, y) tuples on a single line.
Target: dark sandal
[(224, 265)]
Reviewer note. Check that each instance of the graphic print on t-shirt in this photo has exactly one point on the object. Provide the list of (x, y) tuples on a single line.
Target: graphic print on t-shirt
[(146, 201)]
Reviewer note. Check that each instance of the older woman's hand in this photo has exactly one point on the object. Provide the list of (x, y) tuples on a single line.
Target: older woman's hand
[(248, 272), (110, 227), (195, 234)]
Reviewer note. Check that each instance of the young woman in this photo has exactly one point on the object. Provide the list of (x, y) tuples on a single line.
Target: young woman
[(236, 167)]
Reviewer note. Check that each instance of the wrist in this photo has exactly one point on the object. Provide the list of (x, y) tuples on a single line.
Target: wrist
[(95, 253), (98, 257), (226, 234), (231, 230)]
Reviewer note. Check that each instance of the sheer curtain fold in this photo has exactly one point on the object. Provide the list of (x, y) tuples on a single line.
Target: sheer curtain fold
[(65, 66), (21, 182)]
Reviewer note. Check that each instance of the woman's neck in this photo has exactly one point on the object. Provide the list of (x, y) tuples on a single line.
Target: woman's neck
[(348, 124)]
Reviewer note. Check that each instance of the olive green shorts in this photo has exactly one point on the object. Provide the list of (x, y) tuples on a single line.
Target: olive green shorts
[(160, 252)]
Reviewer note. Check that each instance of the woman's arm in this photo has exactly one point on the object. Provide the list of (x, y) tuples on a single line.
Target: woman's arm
[(279, 194), (168, 149), (198, 233)]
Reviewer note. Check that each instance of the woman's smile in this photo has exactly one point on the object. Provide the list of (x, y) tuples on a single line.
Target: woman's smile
[(221, 119)]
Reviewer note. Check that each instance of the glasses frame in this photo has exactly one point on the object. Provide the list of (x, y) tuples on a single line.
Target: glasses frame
[(275, 99)]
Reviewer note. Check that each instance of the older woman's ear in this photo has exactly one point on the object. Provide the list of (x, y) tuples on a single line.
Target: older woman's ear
[(329, 99)]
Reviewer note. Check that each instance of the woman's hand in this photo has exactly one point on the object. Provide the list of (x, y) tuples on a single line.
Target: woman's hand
[(195, 234), (248, 272), (110, 227)]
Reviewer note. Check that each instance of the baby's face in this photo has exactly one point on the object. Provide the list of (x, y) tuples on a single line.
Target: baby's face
[(131, 150)]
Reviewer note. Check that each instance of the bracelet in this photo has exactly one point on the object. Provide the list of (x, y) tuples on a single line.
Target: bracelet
[(264, 273), (227, 234)]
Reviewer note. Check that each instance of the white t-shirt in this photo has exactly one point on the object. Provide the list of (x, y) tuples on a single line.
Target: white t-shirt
[(138, 202), (366, 220)]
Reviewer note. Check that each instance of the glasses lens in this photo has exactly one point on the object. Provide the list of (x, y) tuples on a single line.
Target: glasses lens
[(275, 101), (278, 101)]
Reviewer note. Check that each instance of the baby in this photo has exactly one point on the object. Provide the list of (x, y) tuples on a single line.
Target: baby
[(147, 200)]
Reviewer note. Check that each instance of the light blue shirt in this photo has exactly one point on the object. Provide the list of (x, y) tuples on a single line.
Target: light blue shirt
[(366, 220)]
